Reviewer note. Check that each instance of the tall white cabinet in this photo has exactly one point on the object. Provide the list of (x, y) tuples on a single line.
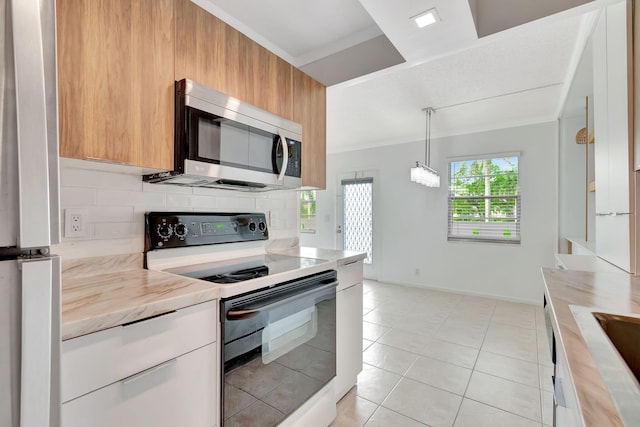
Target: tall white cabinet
[(612, 81)]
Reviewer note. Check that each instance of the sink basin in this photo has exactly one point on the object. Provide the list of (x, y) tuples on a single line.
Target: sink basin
[(613, 340), (624, 334)]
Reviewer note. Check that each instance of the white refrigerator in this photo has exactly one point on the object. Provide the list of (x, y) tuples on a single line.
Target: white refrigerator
[(30, 277)]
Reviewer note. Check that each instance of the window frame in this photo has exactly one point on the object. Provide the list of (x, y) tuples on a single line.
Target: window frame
[(454, 237)]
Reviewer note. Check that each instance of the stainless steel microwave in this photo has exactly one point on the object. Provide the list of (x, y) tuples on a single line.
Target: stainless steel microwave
[(222, 142)]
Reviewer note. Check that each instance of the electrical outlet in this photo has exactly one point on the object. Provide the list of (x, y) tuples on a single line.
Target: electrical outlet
[(75, 222)]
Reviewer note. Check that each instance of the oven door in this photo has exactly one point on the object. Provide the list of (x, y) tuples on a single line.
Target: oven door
[(279, 349)]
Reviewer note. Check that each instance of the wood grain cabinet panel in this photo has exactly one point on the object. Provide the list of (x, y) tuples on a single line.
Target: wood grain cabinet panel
[(309, 109), (117, 64), (214, 54), (115, 80)]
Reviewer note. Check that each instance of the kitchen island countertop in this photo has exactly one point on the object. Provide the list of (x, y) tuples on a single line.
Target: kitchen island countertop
[(611, 292)]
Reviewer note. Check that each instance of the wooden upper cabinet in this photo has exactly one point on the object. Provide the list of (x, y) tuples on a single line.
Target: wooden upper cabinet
[(212, 53), (117, 64), (309, 109), (115, 80)]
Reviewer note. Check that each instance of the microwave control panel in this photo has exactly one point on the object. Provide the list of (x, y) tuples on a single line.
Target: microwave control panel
[(180, 229)]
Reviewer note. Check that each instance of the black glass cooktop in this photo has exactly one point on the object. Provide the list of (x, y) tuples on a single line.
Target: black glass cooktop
[(239, 275), (247, 268)]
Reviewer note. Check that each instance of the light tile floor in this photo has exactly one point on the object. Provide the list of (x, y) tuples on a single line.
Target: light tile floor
[(436, 359)]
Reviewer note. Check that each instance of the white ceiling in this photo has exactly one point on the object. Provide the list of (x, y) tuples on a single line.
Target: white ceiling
[(517, 76)]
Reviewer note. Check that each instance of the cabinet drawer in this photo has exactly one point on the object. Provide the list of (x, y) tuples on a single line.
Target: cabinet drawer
[(96, 360), (349, 275), (180, 392)]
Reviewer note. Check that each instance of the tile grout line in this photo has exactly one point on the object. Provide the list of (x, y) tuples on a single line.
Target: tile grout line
[(474, 367)]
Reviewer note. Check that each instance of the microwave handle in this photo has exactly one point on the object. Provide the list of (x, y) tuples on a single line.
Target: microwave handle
[(285, 155)]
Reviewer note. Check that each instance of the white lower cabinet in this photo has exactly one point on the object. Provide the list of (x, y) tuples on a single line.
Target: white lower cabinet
[(349, 327), (179, 392), (160, 371), (566, 411)]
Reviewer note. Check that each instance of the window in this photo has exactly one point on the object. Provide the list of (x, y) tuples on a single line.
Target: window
[(308, 211), (484, 200)]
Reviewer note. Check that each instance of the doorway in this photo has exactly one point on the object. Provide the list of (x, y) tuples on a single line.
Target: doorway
[(355, 218)]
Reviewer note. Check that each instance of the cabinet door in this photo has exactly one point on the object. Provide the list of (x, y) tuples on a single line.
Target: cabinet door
[(115, 80), (618, 83), (348, 338), (216, 55), (180, 392), (613, 167), (567, 412), (309, 109)]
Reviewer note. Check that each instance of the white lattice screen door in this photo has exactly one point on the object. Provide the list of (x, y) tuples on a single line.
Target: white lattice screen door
[(358, 216)]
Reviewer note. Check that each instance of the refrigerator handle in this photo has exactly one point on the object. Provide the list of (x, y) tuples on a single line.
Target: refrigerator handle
[(40, 353), (33, 137)]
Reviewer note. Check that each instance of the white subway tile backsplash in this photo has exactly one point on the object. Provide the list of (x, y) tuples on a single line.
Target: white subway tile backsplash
[(118, 230), (270, 204), (128, 198), (236, 203), (166, 188), (110, 213), (116, 203), (98, 179), (201, 203), (203, 191), (293, 200), (83, 249), (179, 201), (76, 196)]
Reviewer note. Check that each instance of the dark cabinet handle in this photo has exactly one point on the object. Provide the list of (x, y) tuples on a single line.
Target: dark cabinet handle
[(241, 314)]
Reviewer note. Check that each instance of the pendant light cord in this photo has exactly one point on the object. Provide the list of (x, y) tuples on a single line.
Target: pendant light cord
[(427, 137)]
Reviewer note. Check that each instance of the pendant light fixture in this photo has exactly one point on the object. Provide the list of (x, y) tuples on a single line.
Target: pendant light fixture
[(422, 173)]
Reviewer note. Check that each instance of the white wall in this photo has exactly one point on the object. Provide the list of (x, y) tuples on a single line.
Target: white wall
[(115, 199), (411, 220)]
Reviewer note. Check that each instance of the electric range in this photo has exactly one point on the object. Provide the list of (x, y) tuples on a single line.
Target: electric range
[(277, 312), (226, 249)]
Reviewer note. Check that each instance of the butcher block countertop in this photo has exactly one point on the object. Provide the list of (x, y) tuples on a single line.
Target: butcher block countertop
[(605, 291), (103, 292)]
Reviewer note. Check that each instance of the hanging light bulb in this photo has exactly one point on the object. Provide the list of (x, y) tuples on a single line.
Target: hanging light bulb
[(422, 173)]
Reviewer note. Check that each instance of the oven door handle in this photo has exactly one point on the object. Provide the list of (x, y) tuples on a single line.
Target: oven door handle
[(247, 313), (242, 314)]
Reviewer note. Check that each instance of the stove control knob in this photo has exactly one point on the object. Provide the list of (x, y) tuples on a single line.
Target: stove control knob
[(181, 230), (252, 226), (165, 230), (262, 226)]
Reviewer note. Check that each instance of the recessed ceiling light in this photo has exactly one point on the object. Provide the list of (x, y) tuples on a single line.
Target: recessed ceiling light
[(426, 18)]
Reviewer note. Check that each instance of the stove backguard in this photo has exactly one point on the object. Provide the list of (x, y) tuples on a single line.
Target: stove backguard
[(182, 229)]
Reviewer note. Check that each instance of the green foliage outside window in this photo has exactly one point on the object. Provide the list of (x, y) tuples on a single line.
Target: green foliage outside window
[(484, 199), (308, 211)]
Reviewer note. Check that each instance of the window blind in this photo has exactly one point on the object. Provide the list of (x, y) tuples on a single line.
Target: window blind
[(484, 200)]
